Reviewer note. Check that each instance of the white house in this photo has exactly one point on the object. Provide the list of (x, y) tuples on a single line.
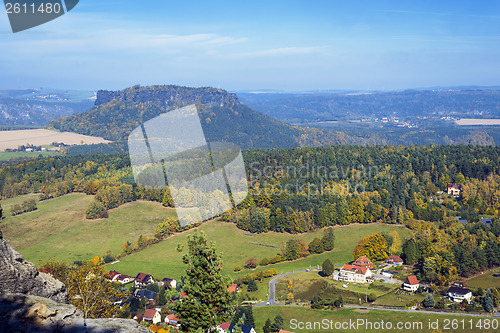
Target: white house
[(457, 294), (411, 284), (123, 279), (394, 260), (152, 315), (352, 273)]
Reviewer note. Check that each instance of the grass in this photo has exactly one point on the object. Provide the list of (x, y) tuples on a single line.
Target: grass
[(304, 314), (401, 300), (485, 280), (163, 259), (59, 229), (7, 156), (308, 284), (8, 203)]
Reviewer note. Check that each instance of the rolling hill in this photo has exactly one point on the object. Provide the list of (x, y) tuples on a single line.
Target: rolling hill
[(224, 118), (116, 113)]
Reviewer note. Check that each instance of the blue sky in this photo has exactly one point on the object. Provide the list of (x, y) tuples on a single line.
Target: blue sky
[(253, 45)]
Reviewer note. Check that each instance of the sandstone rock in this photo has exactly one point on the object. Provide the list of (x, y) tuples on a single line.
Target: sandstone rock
[(34, 314), (20, 276)]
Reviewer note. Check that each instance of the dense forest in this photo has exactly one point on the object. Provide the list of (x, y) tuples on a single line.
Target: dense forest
[(298, 190)]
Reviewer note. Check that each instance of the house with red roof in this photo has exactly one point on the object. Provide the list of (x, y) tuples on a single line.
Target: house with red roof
[(123, 279), (363, 261), (454, 189), (394, 260), (142, 280), (411, 284), (112, 274), (153, 316), (353, 273), (233, 288), (172, 320)]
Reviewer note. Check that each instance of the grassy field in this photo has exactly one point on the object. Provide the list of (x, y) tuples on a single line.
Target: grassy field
[(163, 259), (59, 229), (7, 156), (8, 203), (485, 280), (303, 314), (393, 299), (308, 284)]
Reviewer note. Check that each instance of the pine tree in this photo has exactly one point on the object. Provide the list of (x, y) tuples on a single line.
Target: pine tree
[(162, 300), (252, 286), (208, 302), (429, 301), (328, 240), (267, 326), (488, 302), (327, 267)]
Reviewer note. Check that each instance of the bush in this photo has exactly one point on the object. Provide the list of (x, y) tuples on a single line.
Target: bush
[(429, 301), (264, 262), (327, 267), (94, 210), (252, 286), (108, 258), (251, 263), (237, 268)]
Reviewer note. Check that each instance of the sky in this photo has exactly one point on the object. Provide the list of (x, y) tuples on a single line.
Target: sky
[(256, 45)]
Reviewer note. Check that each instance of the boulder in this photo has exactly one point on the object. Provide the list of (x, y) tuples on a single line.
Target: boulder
[(20, 276), (35, 314)]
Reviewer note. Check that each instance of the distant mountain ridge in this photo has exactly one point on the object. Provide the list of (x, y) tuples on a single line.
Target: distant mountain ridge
[(116, 113), (224, 118)]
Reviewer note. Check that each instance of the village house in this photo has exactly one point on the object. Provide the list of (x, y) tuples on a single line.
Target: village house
[(168, 283), (394, 260), (144, 293), (352, 273), (458, 294), (243, 328), (152, 316), (112, 275), (233, 288), (142, 280), (363, 261), (172, 320), (222, 328), (411, 284), (454, 189), (123, 279)]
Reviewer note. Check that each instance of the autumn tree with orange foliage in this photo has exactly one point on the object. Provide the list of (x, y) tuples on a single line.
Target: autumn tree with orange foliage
[(373, 246)]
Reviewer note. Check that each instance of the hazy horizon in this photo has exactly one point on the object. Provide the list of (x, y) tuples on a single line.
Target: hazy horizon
[(290, 46)]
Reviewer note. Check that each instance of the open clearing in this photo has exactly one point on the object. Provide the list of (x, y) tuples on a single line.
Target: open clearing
[(40, 137), (417, 322), (478, 122), (486, 280), (58, 228), (163, 259)]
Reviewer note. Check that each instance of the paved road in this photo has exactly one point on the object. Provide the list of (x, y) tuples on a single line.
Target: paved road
[(272, 289)]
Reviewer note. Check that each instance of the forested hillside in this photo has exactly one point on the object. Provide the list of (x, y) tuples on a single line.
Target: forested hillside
[(223, 117), (299, 190)]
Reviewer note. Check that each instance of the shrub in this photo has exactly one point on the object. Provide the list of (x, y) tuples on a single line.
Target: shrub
[(237, 268), (251, 263), (264, 262), (94, 210)]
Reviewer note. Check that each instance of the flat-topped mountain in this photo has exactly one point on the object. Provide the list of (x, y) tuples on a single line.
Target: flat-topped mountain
[(223, 118)]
